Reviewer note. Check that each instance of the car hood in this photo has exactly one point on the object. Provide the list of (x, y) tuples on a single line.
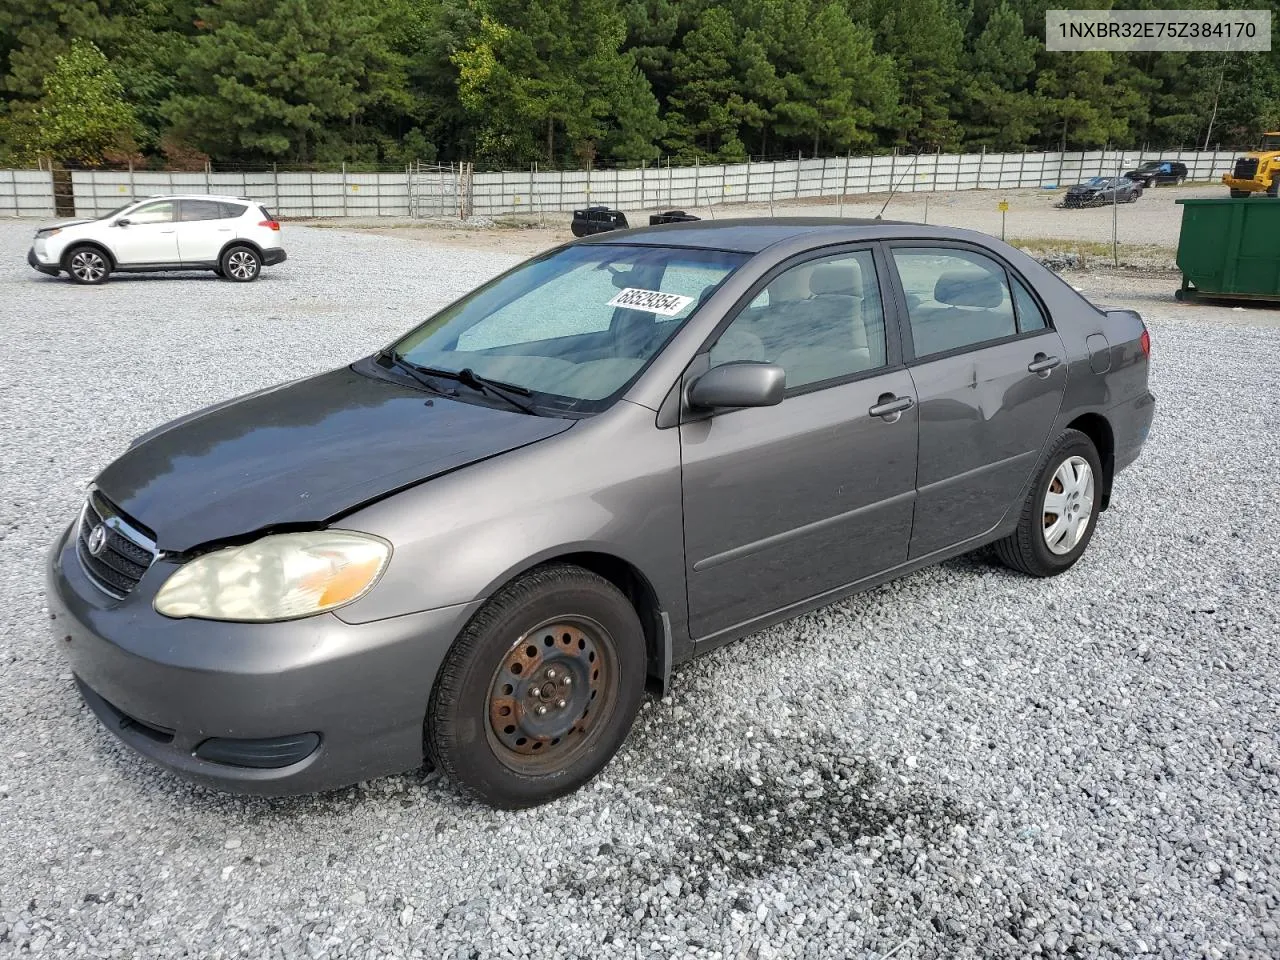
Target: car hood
[(64, 224), (302, 453)]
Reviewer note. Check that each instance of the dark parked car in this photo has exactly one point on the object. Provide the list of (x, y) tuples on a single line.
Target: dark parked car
[(477, 544), (1153, 173), (1099, 190)]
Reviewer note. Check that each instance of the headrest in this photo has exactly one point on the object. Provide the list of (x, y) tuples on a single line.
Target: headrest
[(964, 289), (842, 279)]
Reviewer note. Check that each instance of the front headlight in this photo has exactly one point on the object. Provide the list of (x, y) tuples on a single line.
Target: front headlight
[(280, 577)]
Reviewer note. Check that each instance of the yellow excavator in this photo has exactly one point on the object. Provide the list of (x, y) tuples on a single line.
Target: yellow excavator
[(1258, 171)]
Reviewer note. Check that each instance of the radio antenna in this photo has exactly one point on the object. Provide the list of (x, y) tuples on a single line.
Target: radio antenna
[(893, 191)]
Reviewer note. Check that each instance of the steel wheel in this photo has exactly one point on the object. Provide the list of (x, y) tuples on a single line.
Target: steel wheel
[(242, 264), (1068, 505), (88, 266), (550, 687)]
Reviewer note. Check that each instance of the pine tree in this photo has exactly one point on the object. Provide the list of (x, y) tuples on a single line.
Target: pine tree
[(1001, 109), (547, 80), (287, 79)]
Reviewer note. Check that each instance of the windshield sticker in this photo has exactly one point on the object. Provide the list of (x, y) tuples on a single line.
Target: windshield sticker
[(650, 301)]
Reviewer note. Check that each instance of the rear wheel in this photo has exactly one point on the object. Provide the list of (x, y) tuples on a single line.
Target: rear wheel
[(87, 265), (540, 690), (241, 264), (1061, 511)]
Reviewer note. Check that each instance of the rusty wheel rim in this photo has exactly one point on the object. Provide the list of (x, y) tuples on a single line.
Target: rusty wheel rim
[(551, 693)]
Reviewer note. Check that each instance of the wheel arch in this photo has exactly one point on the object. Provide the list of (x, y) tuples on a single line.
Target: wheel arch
[(1098, 429), (239, 242), (77, 244), (639, 591)]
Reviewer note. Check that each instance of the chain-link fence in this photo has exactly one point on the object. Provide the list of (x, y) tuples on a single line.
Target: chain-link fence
[(456, 190)]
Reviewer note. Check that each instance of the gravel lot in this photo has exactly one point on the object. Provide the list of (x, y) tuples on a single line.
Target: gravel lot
[(965, 763)]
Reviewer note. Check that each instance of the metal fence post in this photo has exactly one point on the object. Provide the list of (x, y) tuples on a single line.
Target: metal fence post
[(696, 170), (344, 188)]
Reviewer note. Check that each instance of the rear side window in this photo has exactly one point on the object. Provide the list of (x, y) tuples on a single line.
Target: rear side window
[(231, 211), (1030, 316), (201, 210), (955, 298)]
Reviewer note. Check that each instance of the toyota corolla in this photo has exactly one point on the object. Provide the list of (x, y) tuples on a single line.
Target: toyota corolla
[(476, 546)]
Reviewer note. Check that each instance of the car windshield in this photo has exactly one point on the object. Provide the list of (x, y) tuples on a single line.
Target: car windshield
[(1097, 182), (1150, 166), (118, 210), (575, 326)]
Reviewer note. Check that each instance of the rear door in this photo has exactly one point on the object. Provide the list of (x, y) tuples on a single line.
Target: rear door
[(204, 227), (786, 503), (989, 372)]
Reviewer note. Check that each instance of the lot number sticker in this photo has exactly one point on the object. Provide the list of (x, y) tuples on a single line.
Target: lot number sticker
[(650, 301)]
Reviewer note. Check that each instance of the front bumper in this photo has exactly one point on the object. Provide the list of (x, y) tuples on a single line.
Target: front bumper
[(1081, 200), (273, 256), (166, 687), (51, 269), (1254, 186)]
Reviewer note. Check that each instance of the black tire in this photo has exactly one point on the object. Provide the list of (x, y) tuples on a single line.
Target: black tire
[(240, 264), (87, 265), (1027, 549), (556, 623), (1237, 194), (1274, 189)]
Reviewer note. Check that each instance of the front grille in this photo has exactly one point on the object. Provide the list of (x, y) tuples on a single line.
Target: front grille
[(124, 553), (1246, 168)]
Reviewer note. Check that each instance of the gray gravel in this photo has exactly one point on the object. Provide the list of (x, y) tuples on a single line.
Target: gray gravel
[(965, 763)]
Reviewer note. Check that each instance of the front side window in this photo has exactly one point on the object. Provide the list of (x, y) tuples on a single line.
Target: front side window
[(575, 326), (161, 212), (819, 320), (955, 298)]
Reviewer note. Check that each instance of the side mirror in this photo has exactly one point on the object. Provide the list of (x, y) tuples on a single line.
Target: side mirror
[(745, 384), (122, 222)]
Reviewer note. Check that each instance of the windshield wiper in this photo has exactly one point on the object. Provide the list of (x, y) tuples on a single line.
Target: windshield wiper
[(496, 388), (468, 378), (420, 375)]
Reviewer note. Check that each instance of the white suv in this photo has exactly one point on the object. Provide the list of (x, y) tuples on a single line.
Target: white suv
[(232, 236)]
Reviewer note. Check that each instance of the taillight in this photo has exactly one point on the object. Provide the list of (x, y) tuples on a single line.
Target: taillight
[(1145, 340), (270, 224)]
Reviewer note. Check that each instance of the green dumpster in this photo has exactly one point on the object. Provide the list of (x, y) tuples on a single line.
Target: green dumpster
[(1230, 248)]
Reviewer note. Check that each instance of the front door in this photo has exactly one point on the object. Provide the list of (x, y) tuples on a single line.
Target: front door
[(148, 236), (989, 372), (786, 503)]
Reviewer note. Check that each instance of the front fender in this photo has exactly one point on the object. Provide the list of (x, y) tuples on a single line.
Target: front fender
[(610, 485)]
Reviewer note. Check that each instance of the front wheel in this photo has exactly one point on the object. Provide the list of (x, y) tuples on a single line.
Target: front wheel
[(241, 264), (87, 265), (540, 690), (1061, 511)]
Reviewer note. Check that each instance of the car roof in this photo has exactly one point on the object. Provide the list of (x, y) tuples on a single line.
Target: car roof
[(754, 234), (195, 196)]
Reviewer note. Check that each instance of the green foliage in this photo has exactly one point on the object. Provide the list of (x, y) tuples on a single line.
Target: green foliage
[(514, 82), (288, 79), (82, 117), (548, 81)]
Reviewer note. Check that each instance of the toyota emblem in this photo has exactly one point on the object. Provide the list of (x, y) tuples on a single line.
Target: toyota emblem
[(98, 540)]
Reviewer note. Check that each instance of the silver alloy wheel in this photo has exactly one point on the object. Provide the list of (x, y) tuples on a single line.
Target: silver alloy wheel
[(88, 265), (242, 265), (1068, 505)]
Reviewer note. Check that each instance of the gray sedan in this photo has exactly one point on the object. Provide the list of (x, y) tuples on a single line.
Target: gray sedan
[(479, 544)]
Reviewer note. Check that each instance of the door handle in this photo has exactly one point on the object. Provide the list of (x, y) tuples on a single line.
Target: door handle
[(169, 231), (890, 407), (1041, 364)]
